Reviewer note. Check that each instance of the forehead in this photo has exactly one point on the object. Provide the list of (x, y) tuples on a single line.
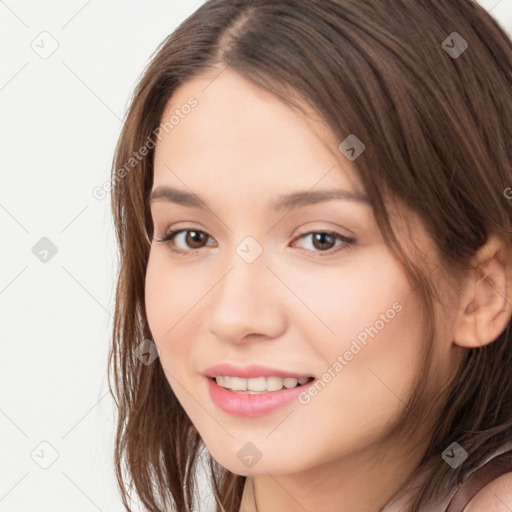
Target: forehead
[(242, 135)]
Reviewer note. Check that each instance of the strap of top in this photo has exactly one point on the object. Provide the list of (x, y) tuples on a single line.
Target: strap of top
[(491, 470)]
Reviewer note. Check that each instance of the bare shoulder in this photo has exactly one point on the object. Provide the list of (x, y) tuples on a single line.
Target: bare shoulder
[(495, 496)]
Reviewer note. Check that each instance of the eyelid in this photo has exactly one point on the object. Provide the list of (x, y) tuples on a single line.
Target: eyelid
[(346, 241), (170, 234)]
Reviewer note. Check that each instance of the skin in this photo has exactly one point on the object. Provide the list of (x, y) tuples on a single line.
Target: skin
[(496, 496), (297, 306)]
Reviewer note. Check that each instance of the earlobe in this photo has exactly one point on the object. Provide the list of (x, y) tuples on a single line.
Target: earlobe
[(486, 303)]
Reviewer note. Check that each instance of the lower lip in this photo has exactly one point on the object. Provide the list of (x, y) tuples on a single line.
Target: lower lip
[(244, 404)]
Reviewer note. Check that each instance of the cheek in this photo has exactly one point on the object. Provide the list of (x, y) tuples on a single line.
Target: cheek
[(365, 386), (169, 293), (369, 299), (169, 296), (373, 353), (373, 378)]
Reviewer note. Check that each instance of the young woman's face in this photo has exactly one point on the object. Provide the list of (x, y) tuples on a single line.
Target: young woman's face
[(308, 290)]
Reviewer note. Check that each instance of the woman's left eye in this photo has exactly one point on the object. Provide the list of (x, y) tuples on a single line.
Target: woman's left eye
[(320, 240)]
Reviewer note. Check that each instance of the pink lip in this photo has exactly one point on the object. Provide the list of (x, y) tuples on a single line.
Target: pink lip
[(251, 371), (248, 405), (241, 404)]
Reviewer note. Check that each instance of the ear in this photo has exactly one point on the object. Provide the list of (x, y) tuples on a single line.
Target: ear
[(486, 301)]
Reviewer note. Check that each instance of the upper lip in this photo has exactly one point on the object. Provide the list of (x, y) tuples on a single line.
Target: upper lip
[(250, 371)]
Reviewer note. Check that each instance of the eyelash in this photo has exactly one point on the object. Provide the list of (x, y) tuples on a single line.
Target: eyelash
[(168, 239)]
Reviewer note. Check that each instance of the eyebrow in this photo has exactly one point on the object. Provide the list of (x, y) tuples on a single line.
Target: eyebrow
[(285, 201)]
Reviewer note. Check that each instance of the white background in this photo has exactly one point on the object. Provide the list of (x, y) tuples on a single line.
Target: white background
[(60, 119)]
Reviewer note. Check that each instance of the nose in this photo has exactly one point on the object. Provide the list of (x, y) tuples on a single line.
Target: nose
[(247, 302)]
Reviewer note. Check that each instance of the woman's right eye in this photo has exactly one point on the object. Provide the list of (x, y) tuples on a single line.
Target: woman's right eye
[(170, 239)]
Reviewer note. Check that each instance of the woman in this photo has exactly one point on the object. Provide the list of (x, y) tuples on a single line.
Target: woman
[(311, 204)]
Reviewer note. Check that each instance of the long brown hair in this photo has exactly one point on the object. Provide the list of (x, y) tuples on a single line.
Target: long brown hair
[(437, 127)]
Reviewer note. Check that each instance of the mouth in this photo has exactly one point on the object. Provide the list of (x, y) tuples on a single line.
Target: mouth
[(259, 385), (258, 395), (254, 390)]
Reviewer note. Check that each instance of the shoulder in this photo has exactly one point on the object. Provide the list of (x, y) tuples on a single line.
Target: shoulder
[(495, 496)]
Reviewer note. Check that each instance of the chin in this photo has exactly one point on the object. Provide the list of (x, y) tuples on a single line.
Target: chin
[(234, 462)]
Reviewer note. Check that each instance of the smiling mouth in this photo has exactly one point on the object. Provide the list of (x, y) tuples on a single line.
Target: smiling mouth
[(259, 385)]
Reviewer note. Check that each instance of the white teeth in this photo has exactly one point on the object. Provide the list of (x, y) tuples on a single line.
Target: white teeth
[(259, 384), (255, 384), (290, 383), (274, 383), (238, 384)]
